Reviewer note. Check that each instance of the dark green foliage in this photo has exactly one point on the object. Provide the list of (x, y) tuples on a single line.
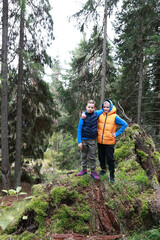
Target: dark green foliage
[(153, 234), (136, 26), (67, 155), (38, 115), (38, 104)]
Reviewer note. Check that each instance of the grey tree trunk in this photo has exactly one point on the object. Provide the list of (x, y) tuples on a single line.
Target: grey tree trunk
[(5, 168), (103, 80), (18, 167), (157, 104), (141, 76)]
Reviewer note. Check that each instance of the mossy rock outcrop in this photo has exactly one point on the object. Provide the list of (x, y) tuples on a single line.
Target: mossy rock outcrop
[(137, 145), (135, 196), (82, 206)]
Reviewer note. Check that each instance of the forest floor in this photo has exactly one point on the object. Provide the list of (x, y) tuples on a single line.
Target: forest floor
[(96, 200), (106, 221), (8, 200)]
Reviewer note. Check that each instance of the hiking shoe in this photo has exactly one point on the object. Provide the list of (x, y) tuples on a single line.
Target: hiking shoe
[(111, 178), (82, 172), (95, 176), (102, 172)]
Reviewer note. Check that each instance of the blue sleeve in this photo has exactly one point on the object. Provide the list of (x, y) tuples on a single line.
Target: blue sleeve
[(123, 124), (99, 112), (79, 135)]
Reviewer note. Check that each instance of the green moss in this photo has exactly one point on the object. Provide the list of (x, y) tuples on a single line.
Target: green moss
[(149, 143), (6, 237), (156, 156), (27, 236), (38, 190), (73, 217), (24, 236), (119, 144), (59, 194), (144, 210), (11, 228), (80, 181), (84, 210), (142, 179), (142, 155), (136, 127), (124, 151), (70, 219), (129, 165), (39, 205), (154, 182), (130, 195)]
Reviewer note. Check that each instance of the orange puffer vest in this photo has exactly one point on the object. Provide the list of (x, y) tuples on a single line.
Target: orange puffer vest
[(107, 126)]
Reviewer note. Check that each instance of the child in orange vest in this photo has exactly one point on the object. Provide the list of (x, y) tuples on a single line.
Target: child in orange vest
[(107, 124)]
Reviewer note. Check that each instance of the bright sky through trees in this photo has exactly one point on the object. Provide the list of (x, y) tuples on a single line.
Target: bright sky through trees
[(67, 36)]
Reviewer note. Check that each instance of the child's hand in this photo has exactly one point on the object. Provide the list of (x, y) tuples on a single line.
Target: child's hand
[(84, 116), (114, 135), (80, 146)]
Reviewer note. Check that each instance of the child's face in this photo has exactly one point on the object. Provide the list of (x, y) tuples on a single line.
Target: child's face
[(106, 107), (90, 107)]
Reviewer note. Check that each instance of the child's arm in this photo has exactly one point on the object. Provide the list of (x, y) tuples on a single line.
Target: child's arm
[(123, 124), (79, 135), (98, 112)]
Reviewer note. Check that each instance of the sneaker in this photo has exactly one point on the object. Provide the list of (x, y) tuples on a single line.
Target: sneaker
[(102, 172), (95, 176), (82, 172)]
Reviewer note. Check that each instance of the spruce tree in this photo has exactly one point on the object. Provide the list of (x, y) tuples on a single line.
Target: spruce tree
[(5, 169)]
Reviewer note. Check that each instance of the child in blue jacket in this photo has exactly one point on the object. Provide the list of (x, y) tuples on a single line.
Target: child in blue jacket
[(87, 139)]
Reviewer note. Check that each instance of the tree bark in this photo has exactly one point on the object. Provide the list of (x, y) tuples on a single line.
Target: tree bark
[(5, 169), (141, 75), (18, 167), (157, 104), (104, 55)]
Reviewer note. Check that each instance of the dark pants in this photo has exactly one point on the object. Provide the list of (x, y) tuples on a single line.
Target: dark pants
[(105, 153)]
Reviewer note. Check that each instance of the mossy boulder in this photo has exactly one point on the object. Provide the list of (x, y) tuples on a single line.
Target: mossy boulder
[(72, 211), (136, 180), (136, 144)]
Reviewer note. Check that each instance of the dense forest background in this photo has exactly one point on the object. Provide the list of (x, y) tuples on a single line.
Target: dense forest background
[(36, 114)]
